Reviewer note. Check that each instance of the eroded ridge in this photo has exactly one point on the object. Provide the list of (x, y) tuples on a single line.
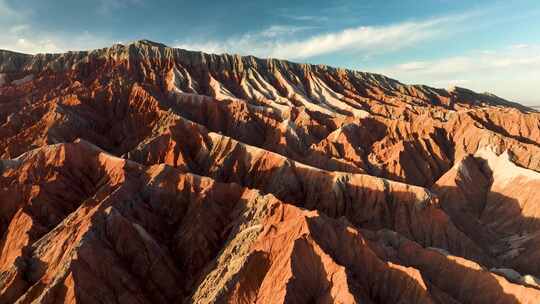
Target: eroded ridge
[(141, 173)]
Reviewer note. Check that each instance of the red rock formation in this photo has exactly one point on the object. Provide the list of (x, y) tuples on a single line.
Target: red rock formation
[(146, 174)]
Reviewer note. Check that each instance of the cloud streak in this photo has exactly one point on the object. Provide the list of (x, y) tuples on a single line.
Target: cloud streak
[(511, 72), (512, 58), (369, 39), (306, 18)]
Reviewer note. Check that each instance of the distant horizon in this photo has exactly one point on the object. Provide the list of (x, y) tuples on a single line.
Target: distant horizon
[(485, 45)]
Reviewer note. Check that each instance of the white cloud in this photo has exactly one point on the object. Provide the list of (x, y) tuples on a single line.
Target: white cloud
[(306, 18), (36, 46), (360, 38), (283, 30), (25, 39), (211, 47), (476, 61), (512, 72), (280, 42), (251, 43), (18, 28), (520, 46), (17, 35)]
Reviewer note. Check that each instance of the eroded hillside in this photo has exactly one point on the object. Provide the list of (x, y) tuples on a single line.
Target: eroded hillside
[(147, 174)]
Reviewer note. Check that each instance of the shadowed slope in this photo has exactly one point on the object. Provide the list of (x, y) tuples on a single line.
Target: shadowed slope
[(146, 174)]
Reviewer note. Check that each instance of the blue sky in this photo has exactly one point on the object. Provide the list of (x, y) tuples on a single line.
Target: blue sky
[(484, 45)]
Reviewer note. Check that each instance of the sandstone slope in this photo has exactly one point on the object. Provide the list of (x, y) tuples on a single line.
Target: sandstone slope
[(141, 173)]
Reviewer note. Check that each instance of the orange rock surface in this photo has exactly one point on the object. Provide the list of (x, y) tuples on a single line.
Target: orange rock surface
[(141, 173)]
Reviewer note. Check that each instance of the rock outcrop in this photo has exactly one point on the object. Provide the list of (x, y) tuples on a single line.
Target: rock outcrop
[(141, 173)]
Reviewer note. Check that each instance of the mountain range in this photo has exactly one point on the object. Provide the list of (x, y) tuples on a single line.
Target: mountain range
[(141, 173)]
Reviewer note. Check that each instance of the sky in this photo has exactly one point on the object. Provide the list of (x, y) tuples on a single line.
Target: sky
[(488, 46)]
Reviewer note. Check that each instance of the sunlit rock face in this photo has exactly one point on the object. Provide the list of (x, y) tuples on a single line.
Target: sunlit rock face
[(146, 174)]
